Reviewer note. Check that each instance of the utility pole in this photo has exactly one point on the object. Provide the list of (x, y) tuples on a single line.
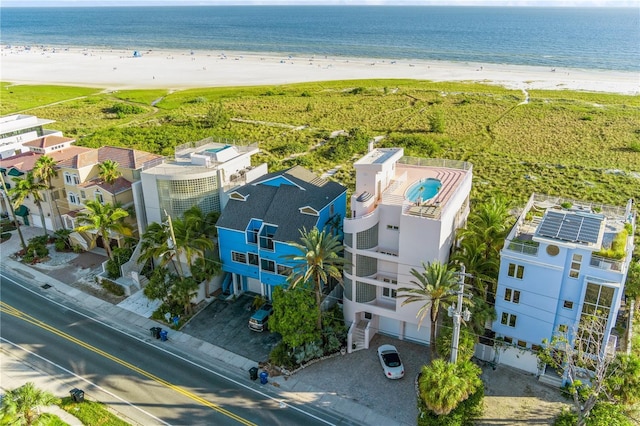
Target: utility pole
[(457, 314)]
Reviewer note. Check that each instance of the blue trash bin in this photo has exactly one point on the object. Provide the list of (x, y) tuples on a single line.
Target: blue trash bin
[(163, 335), (263, 377)]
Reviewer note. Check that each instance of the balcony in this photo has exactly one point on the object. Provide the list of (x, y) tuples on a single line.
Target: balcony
[(606, 263), (522, 246)]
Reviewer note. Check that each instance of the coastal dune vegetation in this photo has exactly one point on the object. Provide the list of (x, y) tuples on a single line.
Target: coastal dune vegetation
[(581, 145)]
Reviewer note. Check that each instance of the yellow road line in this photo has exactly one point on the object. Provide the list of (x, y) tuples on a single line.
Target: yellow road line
[(8, 309)]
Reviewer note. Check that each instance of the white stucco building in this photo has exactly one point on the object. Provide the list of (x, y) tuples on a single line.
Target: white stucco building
[(562, 260), (404, 212), (199, 174), (17, 129)]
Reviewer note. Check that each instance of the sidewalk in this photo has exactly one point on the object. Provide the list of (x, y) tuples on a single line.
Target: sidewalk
[(293, 388)]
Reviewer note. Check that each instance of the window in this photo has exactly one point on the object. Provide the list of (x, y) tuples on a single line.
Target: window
[(508, 340), (238, 257), (82, 194), (71, 179), (508, 319), (512, 295), (568, 304), (574, 272), (99, 197), (268, 265), (516, 271), (253, 259), (522, 343), (598, 300), (73, 199), (535, 348), (284, 270), (266, 237), (563, 328), (389, 293)]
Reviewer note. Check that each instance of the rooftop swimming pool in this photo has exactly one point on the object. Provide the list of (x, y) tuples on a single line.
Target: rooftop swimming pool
[(423, 190), (216, 150)]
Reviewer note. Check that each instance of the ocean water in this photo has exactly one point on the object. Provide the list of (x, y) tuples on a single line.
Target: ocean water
[(587, 38)]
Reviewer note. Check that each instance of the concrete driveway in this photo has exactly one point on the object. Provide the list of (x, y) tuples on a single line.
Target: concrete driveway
[(226, 324)]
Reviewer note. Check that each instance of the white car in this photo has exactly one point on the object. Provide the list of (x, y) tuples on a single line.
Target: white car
[(391, 363)]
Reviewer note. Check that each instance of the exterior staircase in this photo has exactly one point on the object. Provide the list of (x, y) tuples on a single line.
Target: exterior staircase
[(357, 334)]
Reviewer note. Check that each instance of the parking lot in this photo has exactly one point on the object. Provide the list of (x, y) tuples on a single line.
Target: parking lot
[(226, 324)]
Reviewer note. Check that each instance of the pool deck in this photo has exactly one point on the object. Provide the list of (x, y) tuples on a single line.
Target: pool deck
[(408, 175)]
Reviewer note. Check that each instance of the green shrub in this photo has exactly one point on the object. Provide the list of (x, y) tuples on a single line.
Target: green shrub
[(282, 356), (634, 146), (5, 236), (7, 225), (462, 415), (112, 287), (121, 110)]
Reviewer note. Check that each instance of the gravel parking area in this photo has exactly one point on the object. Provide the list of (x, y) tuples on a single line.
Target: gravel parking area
[(359, 377)]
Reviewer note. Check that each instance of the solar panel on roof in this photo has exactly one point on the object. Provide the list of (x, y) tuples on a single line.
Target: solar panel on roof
[(570, 227)]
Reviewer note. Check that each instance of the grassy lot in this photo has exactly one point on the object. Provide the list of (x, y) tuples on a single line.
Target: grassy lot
[(91, 413), (575, 144)]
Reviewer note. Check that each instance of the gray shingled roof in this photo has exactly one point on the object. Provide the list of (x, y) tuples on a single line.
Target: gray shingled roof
[(281, 205)]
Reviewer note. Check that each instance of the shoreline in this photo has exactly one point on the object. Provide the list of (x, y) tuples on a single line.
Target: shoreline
[(118, 69)]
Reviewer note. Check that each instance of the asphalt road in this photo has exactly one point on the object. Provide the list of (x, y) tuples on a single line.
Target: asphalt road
[(149, 385)]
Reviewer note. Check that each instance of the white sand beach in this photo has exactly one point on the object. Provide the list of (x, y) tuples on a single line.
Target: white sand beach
[(119, 69)]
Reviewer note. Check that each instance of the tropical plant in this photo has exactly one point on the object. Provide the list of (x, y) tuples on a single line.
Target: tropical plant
[(109, 173), (466, 342), (21, 405), (434, 287), (25, 187), (295, 315), (183, 289), (443, 385), (319, 261), (582, 353), (13, 213), (45, 170), (101, 220)]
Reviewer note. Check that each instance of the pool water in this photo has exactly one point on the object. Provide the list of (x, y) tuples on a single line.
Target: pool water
[(423, 190)]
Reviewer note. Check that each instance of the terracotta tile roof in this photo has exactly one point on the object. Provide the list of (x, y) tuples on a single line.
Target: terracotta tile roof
[(48, 141), (23, 162), (68, 157), (127, 158), (121, 184)]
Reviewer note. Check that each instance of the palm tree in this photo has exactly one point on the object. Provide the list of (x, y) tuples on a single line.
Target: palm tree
[(103, 219), (488, 224), (434, 287), (155, 245), (45, 170), (22, 403), (319, 261), (443, 385), (482, 272), (13, 213), (29, 187), (109, 173)]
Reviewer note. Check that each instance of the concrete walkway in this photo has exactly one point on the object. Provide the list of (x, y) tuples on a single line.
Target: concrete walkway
[(132, 323)]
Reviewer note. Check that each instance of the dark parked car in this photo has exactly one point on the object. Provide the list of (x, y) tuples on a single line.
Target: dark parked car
[(258, 321)]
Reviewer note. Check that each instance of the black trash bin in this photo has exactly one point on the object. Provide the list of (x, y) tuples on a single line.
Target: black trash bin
[(77, 395), (253, 373), (155, 332)]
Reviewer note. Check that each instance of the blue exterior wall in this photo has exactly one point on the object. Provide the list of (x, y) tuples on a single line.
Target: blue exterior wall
[(230, 240)]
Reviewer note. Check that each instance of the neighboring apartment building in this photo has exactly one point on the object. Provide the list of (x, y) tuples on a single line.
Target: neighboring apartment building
[(262, 217), (556, 266), (404, 211), (17, 129), (59, 148), (201, 174)]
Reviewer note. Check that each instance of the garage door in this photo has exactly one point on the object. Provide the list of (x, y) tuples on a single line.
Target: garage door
[(254, 285), (389, 326), (37, 222), (411, 332)]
